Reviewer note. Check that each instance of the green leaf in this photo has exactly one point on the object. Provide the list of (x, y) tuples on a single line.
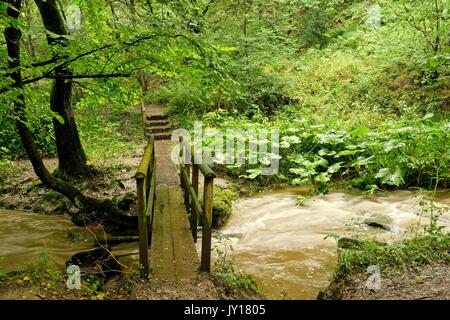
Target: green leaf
[(58, 117), (253, 173), (359, 132), (324, 177), (389, 177), (13, 22), (335, 167), (393, 144), (348, 153)]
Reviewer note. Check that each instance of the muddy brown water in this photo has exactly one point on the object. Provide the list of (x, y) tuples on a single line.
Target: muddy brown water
[(283, 245), (26, 235)]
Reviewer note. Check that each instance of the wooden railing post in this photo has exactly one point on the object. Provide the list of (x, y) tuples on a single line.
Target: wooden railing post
[(144, 181), (194, 218), (192, 203), (207, 224), (143, 231)]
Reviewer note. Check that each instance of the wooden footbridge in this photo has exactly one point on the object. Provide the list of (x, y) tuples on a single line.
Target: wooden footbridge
[(169, 209)]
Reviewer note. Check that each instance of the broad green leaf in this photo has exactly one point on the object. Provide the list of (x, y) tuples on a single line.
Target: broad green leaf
[(361, 131), (253, 173)]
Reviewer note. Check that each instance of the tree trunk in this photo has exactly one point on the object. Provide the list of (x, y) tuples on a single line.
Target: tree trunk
[(72, 159), (103, 211)]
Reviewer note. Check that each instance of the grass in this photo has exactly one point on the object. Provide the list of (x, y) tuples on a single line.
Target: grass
[(225, 274), (42, 271), (110, 135), (409, 253), (427, 246), (42, 275)]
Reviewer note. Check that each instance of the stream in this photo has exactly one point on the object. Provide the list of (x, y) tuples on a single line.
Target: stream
[(280, 244), (26, 235), (283, 245)]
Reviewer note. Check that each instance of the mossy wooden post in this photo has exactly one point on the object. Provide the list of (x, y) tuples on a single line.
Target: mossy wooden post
[(194, 217), (184, 162), (143, 182), (143, 231), (207, 217), (181, 157), (151, 192)]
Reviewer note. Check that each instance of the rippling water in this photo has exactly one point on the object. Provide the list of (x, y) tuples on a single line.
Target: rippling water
[(25, 235), (281, 244), (284, 247)]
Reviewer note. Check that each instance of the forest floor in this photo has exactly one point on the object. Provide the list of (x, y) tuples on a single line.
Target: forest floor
[(125, 287), (21, 189), (428, 282)]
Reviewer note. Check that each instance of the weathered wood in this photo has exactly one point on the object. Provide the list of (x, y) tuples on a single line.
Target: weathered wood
[(188, 184), (195, 206), (149, 212), (195, 213), (145, 198), (185, 253), (162, 252), (206, 171), (205, 265), (143, 231), (146, 160)]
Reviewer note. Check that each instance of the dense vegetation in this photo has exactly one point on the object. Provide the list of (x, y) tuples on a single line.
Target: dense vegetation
[(358, 89), (355, 101)]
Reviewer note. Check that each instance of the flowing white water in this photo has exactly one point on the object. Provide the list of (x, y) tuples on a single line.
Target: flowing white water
[(284, 247)]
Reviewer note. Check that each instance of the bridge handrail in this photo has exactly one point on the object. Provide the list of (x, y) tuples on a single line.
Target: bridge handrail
[(146, 189), (189, 184)]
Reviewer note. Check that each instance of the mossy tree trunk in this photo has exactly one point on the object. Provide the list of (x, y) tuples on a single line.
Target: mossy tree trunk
[(104, 211), (72, 158)]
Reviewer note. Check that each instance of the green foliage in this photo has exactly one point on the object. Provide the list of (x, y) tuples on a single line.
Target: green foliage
[(429, 246), (352, 104), (109, 128), (431, 20), (91, 285), (225, 273), (39, 122), (397, 154), (405, 254), (433, 212), (300, 200), (42, 271), (222, 206)]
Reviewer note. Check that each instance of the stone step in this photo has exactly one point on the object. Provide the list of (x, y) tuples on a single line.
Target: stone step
[(157, 123), (159, 129), (162, 135), (157, 116)]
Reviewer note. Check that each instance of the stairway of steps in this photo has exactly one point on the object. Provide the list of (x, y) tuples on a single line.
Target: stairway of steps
[(159, 126)]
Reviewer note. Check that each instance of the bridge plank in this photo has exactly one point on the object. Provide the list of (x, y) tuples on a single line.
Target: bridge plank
[(161, 253), (173, 255), (186, 258)]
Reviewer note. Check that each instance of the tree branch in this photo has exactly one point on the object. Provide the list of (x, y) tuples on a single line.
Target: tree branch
[(78, 76)]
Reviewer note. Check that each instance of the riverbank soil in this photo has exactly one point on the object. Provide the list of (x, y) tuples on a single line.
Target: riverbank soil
[(123, 288), (22, 190), (429, 282)]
